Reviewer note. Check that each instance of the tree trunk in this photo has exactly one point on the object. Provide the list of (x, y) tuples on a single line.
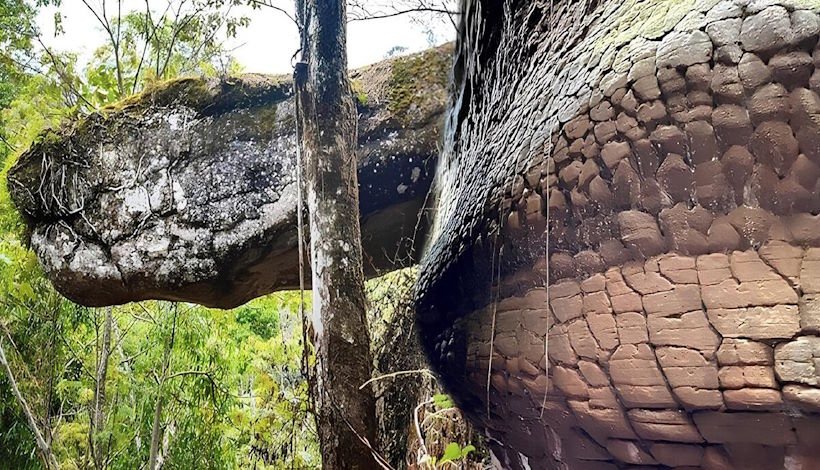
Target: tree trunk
[(98, 444), (154, 459), (327, 123), (42, 445)]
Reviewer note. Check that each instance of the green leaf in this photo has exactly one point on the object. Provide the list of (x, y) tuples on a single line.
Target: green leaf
[(443, 401), (451, 453)]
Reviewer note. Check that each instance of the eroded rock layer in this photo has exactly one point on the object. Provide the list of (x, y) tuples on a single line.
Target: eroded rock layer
[(188, 191), (662, 158)]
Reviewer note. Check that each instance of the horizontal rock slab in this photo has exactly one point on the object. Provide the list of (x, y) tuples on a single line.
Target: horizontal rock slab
[(188, 191)]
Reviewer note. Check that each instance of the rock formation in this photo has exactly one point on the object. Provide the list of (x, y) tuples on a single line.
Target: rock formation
[(623, 266), (187, 191), (656, 165)]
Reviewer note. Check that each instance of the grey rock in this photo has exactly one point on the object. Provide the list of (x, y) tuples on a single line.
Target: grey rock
[(683, 48), (770, 29), (188, 191), (724, 31)]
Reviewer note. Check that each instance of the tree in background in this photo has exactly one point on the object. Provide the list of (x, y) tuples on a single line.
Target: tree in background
[(327, 122)]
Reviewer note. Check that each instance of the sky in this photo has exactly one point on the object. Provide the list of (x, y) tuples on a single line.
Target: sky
[(265, 46)]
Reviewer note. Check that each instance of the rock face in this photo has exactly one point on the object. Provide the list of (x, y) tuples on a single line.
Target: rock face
[(187, 192), (623, 265)]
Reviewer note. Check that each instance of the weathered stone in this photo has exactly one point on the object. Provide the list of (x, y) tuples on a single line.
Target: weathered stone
[(639, 231), (734, 377), (683, 48), (779, 321), (744, 352), (690, 330), (629, 452), (637, 378), (677, 455), (745, 427), (798, 360), (752, 399), (664, 425), (193, 198)]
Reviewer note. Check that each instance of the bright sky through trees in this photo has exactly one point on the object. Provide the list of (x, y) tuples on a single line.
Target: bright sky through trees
[(265, 46)]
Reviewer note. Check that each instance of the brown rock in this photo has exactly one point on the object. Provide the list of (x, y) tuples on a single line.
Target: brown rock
[(687, 368), (732, 124), (734, 377), (631, 328), (639, 231), (670, 139), (636, 376), (702, 141), (774, 144), (605, 131), (744, 352), (646, 156), (753, 72), (647, 88), (718, 427), (726, 84), (604, 330), (711, 188), (562, 265), (752, 222), (626, 185), (560, 349), (651, 112), (699, 77), (577, 128), (699, 399), (629, 452), (664, 425), (602, 111), (748, 266), (805, 172), (613, 152), (643, 281), (601, 423), (681, 299), (779, 321), (690, 330), (737, 165), (722, 237), (569, 382), (784, 257), (809, 307), (581, 339), (792, 69), (770, 103), (752, 399), (805, 397), (677, 455)]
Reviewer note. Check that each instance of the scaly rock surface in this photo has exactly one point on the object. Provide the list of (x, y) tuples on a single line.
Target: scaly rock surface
[(188, 191)]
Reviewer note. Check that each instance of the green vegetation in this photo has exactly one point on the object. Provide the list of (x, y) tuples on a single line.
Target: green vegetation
[(410, 77)]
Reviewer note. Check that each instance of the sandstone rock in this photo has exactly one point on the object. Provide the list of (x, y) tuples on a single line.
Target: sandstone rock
[(690, 330), (677, 455), (639, 231), (803, 396), (745, 427), (744, 352), (780, 321), (798, 360), (664, 425), (684, 48), (631, 328), (637, 378), (770, 29), (810, 313), (753, 399), (735, 377), (753, 72), (629, 452)]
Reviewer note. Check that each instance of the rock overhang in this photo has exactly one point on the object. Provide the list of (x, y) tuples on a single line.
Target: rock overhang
[(187, 191)]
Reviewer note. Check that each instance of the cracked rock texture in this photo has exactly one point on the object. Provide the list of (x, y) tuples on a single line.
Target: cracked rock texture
[(624, 266), (188, 191)]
